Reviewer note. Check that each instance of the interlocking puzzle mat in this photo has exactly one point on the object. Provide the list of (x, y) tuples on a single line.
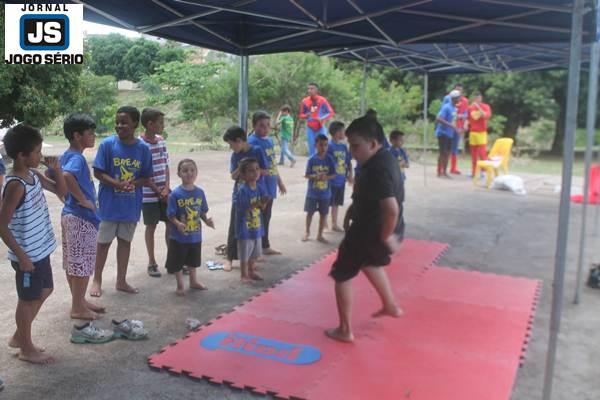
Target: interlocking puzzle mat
[(462, 336)]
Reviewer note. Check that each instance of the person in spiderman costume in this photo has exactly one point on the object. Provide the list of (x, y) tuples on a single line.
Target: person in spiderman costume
[(316, 111), (461, 111)]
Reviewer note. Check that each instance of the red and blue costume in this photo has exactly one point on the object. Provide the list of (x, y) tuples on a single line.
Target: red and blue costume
[(316, 111)]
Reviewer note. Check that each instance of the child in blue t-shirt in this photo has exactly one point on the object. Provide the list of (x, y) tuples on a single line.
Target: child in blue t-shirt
[(320, 170), (79, 220), (261, 124), (186, 208), (343, 169), (123, 165), (397, 140), (250, 199), (237, 140)]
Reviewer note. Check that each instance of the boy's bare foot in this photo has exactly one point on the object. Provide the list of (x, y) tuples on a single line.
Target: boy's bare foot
[(336, 228), (197, 285), (337, 334), (246, 279), (36, 357), (255, 277), (87, 315), (96, 290), (394, 311), (127, 289), (322, 239), (14, 344), (227, 266), (95, 307), (305, 238), (271, 252), (180, 292)]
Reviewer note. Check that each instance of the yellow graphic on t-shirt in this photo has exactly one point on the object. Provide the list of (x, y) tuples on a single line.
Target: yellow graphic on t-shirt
[(125, 175), (475, 114), (191, 220), (271, 154), (253, 214), (340, 167), (320, 170)]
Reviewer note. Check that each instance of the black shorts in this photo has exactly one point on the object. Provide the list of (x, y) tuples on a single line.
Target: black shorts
[(337, 195), (359, 249), (180, 254), (445, 144), (321, 205), (155, 212), (39, 279)]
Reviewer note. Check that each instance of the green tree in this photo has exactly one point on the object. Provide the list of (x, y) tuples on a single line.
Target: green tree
[(107, 53), (98, 97), (140, 59)]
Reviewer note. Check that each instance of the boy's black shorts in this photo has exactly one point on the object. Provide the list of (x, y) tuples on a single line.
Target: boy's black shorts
[(356, 251), (445, 144), (180, 254), (39, 279), (337, 195), (154, 212)]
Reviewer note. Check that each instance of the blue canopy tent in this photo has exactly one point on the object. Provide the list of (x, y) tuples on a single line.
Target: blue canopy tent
[(511, 28)]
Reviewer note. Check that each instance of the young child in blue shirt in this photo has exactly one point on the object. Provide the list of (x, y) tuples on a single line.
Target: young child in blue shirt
[(186, 207), (237, 140), (79, 219), (343, 170), (26, 229), (250, 199), (320, 170), (397, 141), (261, 124), (123, 165)]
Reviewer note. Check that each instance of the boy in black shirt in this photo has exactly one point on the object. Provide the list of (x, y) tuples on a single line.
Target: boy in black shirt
[(374, 225)]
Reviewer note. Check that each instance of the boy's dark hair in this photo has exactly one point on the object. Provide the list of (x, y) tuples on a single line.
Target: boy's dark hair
[(186, 161), (133, 113), (234, 133), (395, 134), (286, 107), (21, 138), (371, 113), (246, 162), (335, 126), (321, 138), (367, 128), (458, 85), (259, 115), (151, 114), (78, 122), (313, 84)]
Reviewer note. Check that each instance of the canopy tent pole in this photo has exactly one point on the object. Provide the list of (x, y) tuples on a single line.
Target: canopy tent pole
[(591, 124), (243, 91), (563, 215), (425, 122), (363, 90)]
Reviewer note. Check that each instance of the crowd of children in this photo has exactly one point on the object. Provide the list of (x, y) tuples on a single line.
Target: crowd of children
[(134, 179)]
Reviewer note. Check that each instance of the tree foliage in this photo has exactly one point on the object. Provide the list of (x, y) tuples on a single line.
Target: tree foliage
[(98, 97)]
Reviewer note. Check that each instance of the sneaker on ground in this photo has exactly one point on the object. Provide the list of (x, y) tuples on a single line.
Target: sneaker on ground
[(153, 271), (129, 329), (90, 333)]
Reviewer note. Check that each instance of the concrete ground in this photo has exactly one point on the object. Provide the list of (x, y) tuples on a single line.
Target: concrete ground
[(487, 230)]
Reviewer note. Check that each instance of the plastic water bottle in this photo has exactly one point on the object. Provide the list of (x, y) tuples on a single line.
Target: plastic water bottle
[(26, 279)]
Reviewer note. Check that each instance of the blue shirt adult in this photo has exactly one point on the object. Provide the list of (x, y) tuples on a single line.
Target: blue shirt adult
[(254, 152), (342, 159), (270, 180), (319, 190), (74, 163), (447, 113), (248, 220), (187, 206), (122, 162)]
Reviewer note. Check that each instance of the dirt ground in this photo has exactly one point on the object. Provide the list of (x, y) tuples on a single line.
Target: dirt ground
[(487, 230)]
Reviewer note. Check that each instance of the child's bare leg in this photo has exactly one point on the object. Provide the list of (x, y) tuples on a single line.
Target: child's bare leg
[(179, 279), (37, 304), (309, 216), (334, 218), (123, 250), (322, 223), (194, 284), (244, 267), (381, 283), (149, 236), (343, 298), (24, 316), (252, 270), (79, 308), (101, 255)]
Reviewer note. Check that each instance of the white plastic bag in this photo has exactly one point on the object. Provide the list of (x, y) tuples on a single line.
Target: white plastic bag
[(509, 182)]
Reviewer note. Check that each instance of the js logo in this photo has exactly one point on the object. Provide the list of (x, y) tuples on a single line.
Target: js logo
[(44, 32)]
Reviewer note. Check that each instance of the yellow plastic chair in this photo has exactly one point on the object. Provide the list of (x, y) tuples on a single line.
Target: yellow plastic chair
[(498, 158)]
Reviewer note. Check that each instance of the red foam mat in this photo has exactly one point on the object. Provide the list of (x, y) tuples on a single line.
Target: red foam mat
[(461, 337)]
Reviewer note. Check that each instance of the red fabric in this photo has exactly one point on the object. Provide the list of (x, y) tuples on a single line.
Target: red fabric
[(461, 109), (479, 124), (310, 108), (594, 189), (454, 164), (477, 153)]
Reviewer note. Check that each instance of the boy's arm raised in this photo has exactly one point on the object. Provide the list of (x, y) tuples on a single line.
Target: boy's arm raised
[(14, 192), (56, 185)]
